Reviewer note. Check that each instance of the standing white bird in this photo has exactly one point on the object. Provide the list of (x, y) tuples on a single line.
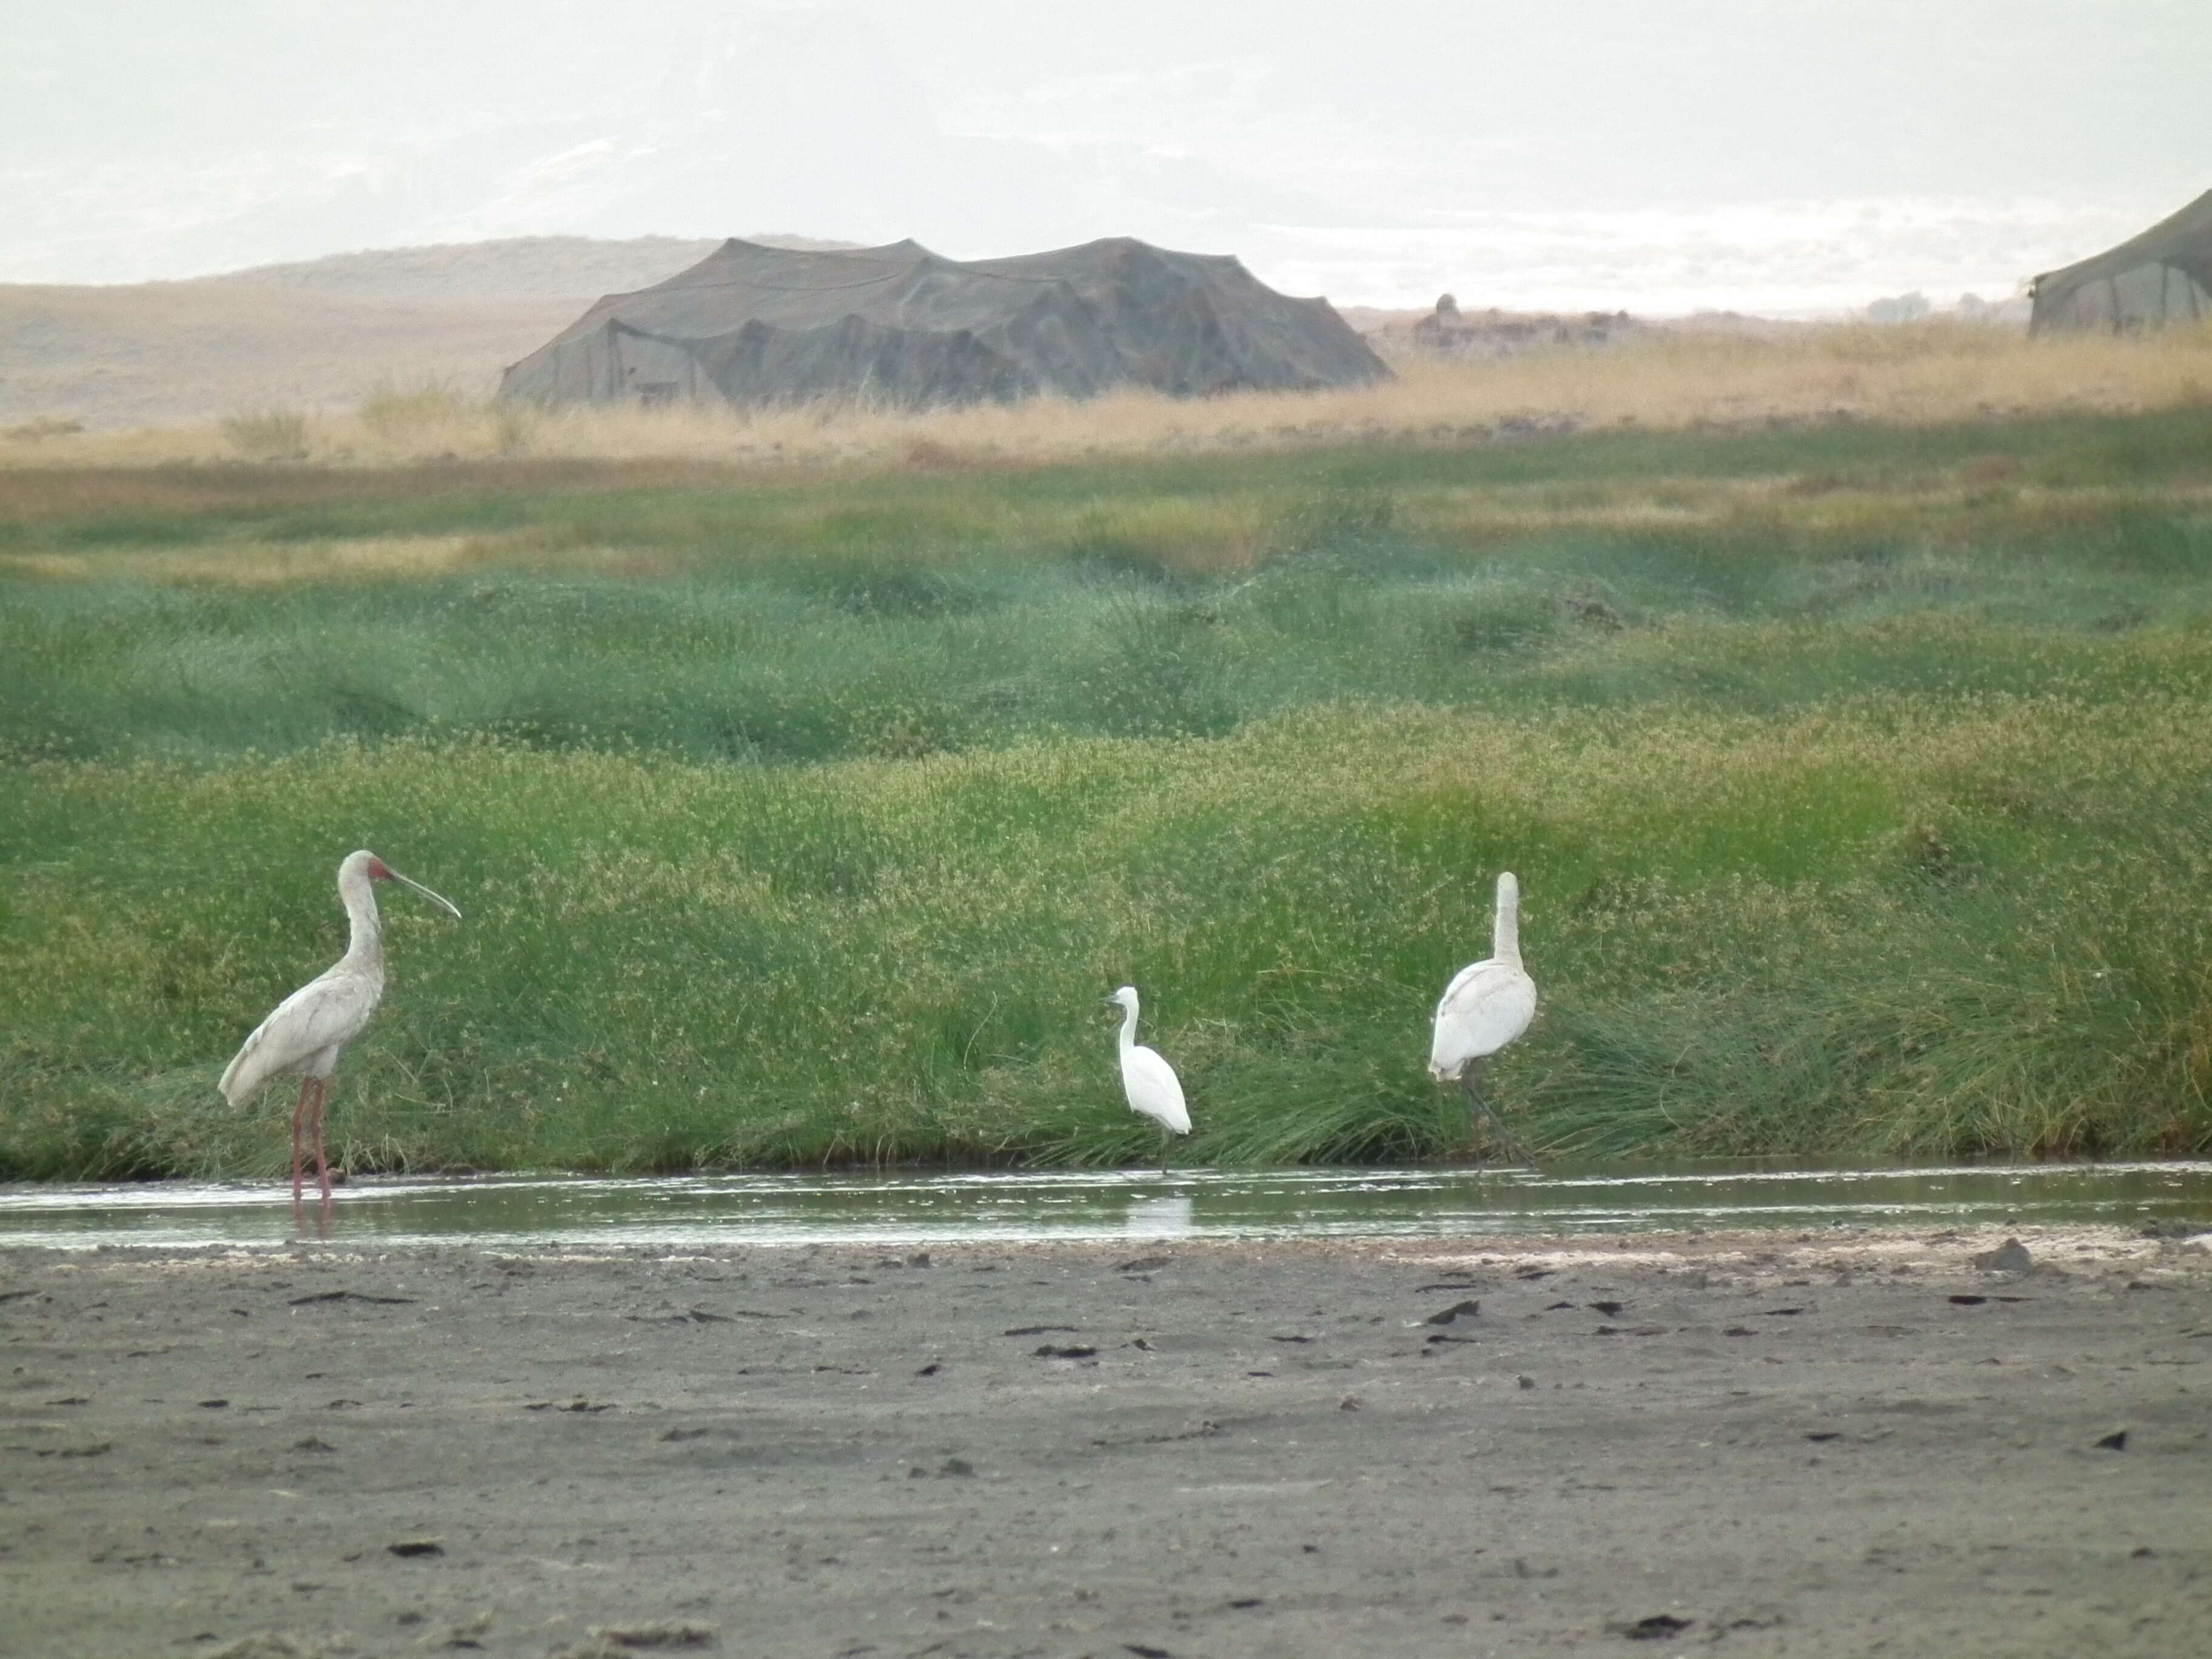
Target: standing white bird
[(1149, 1081), (1487, 1005), (303, 1035)]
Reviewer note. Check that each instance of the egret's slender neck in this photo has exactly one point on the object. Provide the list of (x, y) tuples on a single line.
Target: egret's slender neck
[(366, 942), (1505, 928), (1129, 1025)]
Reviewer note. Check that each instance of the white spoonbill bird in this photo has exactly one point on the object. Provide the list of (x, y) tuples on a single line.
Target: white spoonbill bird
[(1149, 1081), (1487, 1005), (302, 1037)]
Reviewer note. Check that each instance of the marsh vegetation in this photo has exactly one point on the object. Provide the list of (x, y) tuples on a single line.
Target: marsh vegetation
[(1855, 774)]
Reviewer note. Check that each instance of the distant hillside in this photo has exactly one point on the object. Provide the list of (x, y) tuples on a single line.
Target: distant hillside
[(319, 335), (521, 266)]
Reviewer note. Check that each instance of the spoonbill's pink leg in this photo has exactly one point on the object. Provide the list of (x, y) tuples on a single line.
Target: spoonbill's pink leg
[(322, 1163), (299, 1118)]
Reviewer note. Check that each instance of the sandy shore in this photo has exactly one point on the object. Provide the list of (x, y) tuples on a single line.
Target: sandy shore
[(1848, 1442)]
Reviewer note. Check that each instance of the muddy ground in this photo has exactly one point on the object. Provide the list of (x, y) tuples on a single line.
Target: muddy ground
[(1848, 1442)]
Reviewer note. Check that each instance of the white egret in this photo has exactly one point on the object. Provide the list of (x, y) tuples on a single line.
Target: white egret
[(1487, 1005), (1148, 1080), (303, 1035)]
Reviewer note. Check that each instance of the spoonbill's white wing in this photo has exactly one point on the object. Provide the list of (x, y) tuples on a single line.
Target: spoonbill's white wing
[(1487, 1005), (322, 1013), (1153, 1090)]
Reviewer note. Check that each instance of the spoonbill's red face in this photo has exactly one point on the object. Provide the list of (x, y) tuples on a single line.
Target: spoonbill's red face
[(377, 872)]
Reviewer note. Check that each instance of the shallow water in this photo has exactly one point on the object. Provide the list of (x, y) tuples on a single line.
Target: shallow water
[(921, 1209)]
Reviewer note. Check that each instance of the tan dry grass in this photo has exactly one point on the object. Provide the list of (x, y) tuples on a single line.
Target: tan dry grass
[(1681, 379), (117, 358), (1926, 503), (272, 565)]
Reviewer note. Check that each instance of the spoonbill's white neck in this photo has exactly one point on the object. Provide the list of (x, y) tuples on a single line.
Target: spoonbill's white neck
[(1505, 923), (365, 942)]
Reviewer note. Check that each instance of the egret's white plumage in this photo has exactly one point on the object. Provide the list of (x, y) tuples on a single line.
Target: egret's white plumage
[(1149, 1081), (1487, 1004), (305, 1033)]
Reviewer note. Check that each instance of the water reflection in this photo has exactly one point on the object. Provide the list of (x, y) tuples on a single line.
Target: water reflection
[(1171, 1217), (917, 1209)]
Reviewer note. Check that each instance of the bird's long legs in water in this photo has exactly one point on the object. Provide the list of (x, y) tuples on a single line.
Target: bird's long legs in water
[(322, 1159), (299, 1120), (1470, 1080), (308, 1113)]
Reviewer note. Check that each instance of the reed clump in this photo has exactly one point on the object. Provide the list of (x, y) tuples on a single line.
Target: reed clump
[(269, 435)]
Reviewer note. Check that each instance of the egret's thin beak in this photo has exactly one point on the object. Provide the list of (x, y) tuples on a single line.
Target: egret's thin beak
[(443, 903)]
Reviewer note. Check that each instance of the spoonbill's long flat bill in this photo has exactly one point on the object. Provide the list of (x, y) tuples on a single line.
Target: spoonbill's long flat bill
[(304, 1034), (1487, 1005), (1149, 1081)]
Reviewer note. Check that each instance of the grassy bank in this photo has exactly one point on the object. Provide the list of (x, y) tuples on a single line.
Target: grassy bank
[(1856, 777), (1900, 925)]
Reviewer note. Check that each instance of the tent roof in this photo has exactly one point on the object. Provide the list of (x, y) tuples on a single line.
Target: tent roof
[(752, 322), (900, 285), (2183, 239)]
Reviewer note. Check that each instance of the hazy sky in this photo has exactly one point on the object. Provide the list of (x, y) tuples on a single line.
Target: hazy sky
[(1776, 154)]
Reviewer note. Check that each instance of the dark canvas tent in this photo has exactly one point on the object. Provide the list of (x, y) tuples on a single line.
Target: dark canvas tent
[(755, 325), (2163, 276)]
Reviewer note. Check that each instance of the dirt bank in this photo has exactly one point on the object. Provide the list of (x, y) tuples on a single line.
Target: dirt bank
[(1848, 1442)]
